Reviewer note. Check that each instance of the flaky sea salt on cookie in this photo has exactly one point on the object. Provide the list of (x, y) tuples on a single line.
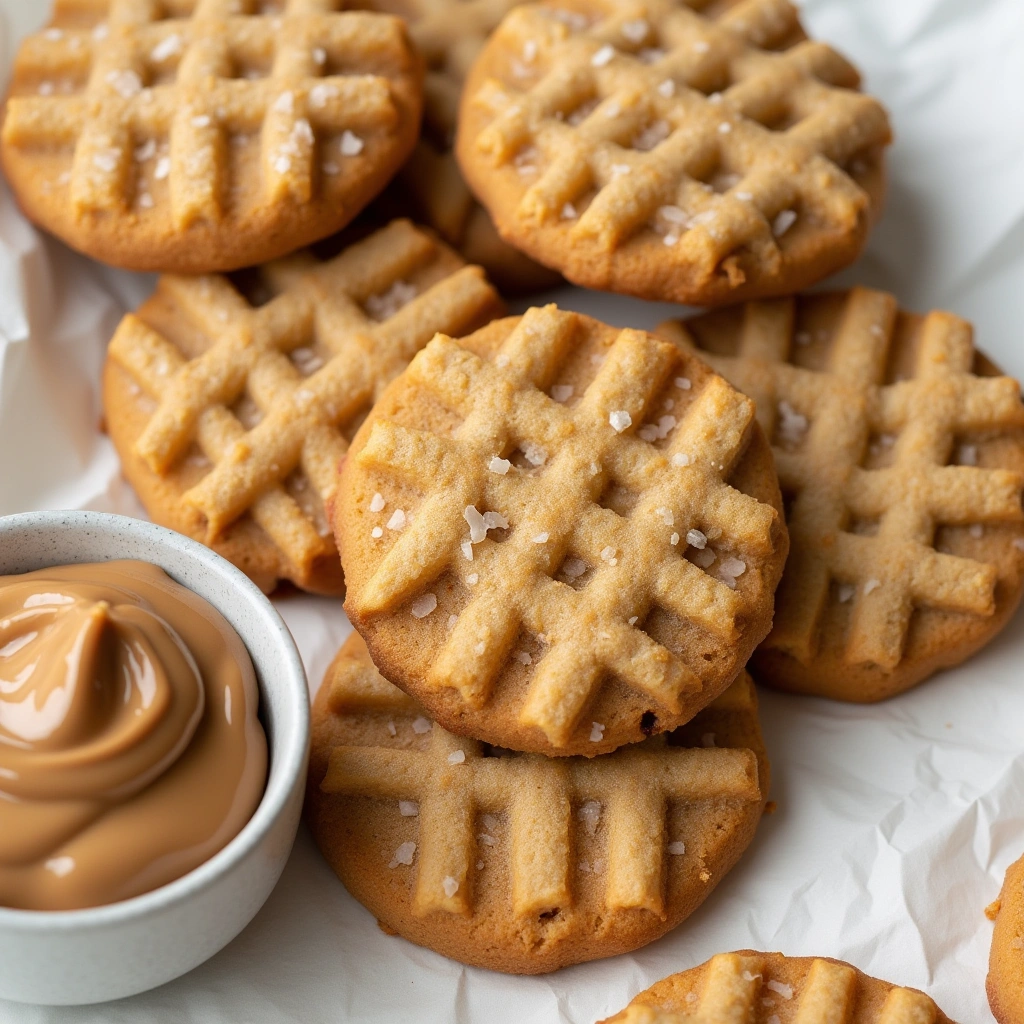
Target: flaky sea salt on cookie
[(769, 988), (206, 137), (231, 400), (648, 148), (518, 862), (560, 536), (900, 451)]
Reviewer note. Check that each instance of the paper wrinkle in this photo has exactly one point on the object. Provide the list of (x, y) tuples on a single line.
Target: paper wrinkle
[(895, 822)]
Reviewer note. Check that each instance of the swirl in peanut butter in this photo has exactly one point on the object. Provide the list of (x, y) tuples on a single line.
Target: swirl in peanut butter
[(130, 750)]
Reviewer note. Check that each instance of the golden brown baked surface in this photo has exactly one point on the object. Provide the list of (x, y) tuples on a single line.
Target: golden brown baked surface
[(900, 451), (762, 988), (449, 34), (192, 137), (559, 536), (699, 156), (518, 862), (231, 400), (1005, 982)]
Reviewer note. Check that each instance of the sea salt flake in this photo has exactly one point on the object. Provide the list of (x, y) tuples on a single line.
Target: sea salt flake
[(667, 88), (457, 757), (701, 46), (145, 200), (452, 619), (351, 144), (608, 554), (162, 169), (704, 558), (845, 592), (201, 121), (385, 305), (530, 51), (377, 502), (498, 465), (407, 808), (523, 658), (574, 567), (745, 197), (651, 54), (619, 170), (561, 392), (473, 579), (590, 814), (540, 538), (376, 533), (684, 383), (674, 539), (569, 212), (596, 732), (603, 56), (60, 866), (479, 648), (392, 730), (319, 56), (696, 539), (534, 454), (285, 103), (677, 849), (773, 1019), (783, 221), (635, 30), (403, 855), (633, 619), (724, 128), (976, 530), (424, 605), (321, 94), (708, 739), (106, 160), (792, 425), (282, 164), (786, 991), (733, 567), (666, 515), (146, 151), (467, 550), (620, 420), (486, 840), (681, 459), (126, 83), (490, 822), (871, 585), (420, 726), (398, 520)]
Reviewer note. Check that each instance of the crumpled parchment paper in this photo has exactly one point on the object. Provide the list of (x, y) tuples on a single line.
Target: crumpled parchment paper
[(894, 823)]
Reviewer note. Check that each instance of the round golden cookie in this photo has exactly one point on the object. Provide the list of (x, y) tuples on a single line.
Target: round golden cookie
[(1005, 982), (560, 536), (449, 34), (518, 862), (900, 451), (644, 147), (765, 988), (231, 400), (210, 140)]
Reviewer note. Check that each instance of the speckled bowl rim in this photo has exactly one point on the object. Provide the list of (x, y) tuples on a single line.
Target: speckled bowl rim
[(288, 752)]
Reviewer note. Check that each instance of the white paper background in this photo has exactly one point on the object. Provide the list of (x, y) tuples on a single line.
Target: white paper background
[(895, 822)]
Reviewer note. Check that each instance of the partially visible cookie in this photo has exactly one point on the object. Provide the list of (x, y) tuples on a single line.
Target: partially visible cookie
[(900, 451), (200, 138), (1005, 982), (769, 988), (698, 156), (560, 536), (231, 400), (449, 34), (518, 862)]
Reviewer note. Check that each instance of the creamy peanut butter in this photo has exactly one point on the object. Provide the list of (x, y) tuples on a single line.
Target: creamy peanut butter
[(130, 750)]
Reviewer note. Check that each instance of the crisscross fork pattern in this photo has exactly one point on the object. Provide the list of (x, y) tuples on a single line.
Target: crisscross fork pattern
[(245, 352), (735, 984), (654, 134), (150, 80), (556, 513), (845, 404), (539, 795)]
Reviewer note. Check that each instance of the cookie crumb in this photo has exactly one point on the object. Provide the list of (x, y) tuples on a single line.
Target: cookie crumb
[(992, 910)]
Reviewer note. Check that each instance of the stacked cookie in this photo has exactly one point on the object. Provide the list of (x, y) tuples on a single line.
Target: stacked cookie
[(561, 543)]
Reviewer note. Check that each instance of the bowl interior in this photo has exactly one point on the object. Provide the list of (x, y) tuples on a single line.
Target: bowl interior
[(36, 540)]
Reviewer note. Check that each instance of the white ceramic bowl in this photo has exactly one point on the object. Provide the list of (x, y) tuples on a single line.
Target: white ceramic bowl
[(87, 956)]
